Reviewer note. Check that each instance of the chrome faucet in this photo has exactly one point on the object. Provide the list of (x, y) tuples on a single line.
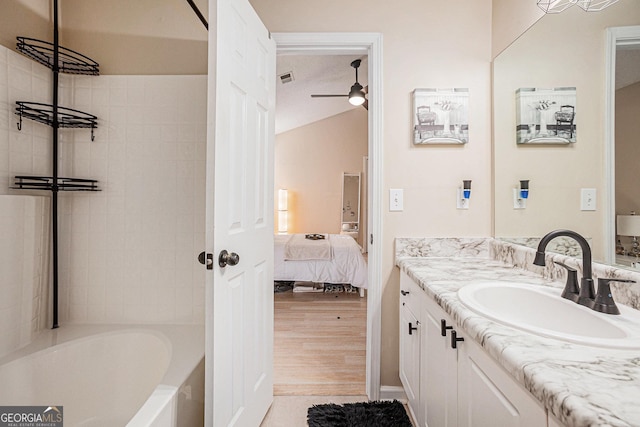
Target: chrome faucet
[(586, 296)]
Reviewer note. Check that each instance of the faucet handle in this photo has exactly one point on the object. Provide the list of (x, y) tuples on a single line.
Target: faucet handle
[(613, 279), (565, 266), (571, 290), (604, 302)]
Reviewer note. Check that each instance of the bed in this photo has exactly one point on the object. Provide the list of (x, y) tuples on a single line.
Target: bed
[(335, 259)]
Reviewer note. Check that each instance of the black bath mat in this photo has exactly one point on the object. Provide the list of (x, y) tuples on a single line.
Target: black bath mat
[(361, 414)]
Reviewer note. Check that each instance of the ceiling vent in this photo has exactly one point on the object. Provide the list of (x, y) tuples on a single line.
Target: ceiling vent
[(286, 77)]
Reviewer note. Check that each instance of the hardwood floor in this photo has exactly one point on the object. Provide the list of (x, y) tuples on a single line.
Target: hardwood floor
[(320, 341)]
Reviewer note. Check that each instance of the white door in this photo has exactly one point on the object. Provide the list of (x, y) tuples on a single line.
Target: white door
[(239, 216)]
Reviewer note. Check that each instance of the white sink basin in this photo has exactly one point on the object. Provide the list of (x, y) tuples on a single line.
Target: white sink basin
[(542, 311)]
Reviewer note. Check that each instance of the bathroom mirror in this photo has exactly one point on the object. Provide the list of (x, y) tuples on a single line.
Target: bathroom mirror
[(350, 202), (560, 50)]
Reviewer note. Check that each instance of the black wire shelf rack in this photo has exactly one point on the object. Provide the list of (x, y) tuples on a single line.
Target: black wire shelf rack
[(66, 117), (24, 182), (69, 61)]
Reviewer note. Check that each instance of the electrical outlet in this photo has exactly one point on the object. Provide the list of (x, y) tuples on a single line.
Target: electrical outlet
[(587, 199), (461, 203), (396, 200), (518, 202)]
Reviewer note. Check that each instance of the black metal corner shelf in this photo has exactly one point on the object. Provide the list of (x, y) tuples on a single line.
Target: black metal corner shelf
[(66, 117), (59, 60), (69, 61), (25, 182)]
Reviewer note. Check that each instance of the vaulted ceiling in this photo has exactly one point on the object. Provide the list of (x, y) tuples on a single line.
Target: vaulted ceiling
[(314, 74), (627, 66)]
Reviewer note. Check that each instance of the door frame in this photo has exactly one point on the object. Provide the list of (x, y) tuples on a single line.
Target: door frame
[(371, 45)]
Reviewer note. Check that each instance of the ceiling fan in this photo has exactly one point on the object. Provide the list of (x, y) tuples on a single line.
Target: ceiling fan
[(357, 93)]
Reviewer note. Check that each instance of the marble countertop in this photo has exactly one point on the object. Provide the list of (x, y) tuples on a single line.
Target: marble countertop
[(580, 385)]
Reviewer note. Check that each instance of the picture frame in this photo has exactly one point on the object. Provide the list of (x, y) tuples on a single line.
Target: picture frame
[(440, 116), (546, 116)]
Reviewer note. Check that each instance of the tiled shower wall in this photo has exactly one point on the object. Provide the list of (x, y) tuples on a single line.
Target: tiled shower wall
[(127, 253), (24, 262)]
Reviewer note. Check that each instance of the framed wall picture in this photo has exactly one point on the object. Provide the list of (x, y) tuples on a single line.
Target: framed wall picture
[(546, 116), (441, 116)]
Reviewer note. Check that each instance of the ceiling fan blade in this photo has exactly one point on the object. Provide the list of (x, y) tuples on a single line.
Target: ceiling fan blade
[(365, 104), (327, 96)]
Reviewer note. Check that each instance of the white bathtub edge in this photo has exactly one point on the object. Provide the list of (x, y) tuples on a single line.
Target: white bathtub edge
[(159, 409)]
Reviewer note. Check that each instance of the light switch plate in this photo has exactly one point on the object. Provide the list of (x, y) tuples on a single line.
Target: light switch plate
[(587, 199), (396, 200)]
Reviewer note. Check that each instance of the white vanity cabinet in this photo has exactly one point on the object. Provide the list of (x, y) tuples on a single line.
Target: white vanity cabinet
[(439, 380), (410, 337), (461, 386)]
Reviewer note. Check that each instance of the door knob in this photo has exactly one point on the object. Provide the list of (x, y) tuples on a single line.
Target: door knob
[(228, 258), (206, 259)]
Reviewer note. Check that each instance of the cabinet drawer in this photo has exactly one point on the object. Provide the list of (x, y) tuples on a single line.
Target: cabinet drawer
[(411, 295)]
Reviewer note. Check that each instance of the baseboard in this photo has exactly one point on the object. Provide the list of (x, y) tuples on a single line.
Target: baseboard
[(388, 392)]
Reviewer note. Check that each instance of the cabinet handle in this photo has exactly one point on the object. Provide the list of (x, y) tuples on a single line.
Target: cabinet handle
[(455, 339), (444, 327), (404, 292), (413, 328)]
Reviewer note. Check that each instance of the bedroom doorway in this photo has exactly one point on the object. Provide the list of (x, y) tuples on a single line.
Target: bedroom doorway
[(348, 307)]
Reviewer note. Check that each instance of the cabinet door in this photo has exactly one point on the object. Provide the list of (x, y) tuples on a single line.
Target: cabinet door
[(410, 357), (439, 378), (488, 396), (411, 333)]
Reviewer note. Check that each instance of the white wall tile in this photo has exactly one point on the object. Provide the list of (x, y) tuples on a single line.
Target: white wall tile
[(81, 98), (125, 251), (22, 277)]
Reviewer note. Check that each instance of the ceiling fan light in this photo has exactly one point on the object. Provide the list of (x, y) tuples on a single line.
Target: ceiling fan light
[(356, 99), (356, 95)]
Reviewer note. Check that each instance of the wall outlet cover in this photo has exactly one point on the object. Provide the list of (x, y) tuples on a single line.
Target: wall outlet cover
[(461, 203)]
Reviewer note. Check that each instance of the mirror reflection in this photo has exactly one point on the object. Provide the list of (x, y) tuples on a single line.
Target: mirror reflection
[(627, 152), (568, 183), (351, 204)]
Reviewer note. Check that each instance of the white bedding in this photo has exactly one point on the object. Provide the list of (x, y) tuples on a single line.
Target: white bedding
[(299, 248), (347, 265)]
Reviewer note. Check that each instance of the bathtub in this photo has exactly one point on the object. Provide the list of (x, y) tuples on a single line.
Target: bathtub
[(113, 375)]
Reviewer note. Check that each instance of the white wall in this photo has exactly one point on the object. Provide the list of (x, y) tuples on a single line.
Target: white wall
[(127, 253), (24, 262), (309, 162), (23, 219), (509, 19)]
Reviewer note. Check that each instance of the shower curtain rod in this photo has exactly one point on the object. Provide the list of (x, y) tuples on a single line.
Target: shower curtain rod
[(197, 11)]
